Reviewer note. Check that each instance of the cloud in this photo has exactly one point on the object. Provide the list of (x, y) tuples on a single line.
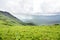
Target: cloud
[(51, 6), (30, 7)]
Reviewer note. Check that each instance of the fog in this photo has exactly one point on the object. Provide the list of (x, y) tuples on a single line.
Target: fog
[(28, 10)]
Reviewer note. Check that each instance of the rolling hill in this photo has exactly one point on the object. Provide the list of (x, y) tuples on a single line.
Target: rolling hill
[(7, 19)]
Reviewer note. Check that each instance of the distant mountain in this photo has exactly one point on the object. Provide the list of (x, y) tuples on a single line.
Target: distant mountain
[(7, 19), (45, 20)]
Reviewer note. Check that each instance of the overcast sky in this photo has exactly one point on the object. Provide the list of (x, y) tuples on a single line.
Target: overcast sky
[(30, 7)]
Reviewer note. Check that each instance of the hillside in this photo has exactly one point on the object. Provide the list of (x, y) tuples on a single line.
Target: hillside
[(8, 19), (12, 28)]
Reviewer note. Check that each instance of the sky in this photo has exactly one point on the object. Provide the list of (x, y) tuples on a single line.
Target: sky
[(23, 9)]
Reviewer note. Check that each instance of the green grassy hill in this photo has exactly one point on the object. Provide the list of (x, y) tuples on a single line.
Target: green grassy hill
[(8, 19), (12, 29)]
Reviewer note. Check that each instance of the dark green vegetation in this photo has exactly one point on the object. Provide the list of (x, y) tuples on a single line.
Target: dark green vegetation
[(13, 29)]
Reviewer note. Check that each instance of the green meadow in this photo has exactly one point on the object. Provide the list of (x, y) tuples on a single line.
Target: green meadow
[(12, 29), (30, 32)]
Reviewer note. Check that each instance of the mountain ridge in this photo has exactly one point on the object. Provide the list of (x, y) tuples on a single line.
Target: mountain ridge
[(9, 18)]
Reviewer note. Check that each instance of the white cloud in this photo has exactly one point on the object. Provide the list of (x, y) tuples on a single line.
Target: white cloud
[(51, 6), (30, 7)]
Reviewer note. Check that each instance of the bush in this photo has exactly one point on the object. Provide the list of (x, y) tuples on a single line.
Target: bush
[(56, 24)]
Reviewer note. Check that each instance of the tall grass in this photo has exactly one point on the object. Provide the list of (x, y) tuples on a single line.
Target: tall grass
[(30, 32)]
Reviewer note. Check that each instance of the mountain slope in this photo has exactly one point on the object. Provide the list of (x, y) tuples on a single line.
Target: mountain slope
[(8, 19)]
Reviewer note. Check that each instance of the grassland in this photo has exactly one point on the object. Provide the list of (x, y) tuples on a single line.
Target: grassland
[(30, 32), (10, 29)]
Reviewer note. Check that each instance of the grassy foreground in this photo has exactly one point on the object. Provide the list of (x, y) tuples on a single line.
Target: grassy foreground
[(30, 32)]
